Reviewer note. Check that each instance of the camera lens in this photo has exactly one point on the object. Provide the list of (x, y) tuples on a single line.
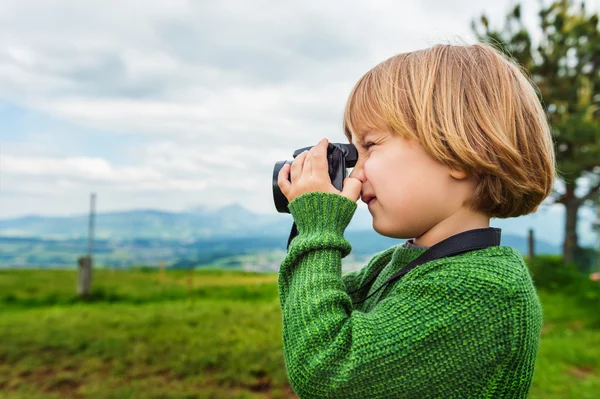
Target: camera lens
[(281, 202)]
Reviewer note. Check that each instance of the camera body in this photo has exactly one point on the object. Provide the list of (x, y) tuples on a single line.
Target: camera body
[(339, 158)]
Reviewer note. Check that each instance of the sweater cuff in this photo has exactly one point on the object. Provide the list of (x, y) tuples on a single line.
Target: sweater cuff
[(320, 212)]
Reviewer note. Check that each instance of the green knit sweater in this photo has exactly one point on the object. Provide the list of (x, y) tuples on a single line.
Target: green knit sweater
[(466, 326)]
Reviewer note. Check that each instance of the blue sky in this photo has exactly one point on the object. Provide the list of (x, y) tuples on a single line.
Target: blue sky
[(175, 104)]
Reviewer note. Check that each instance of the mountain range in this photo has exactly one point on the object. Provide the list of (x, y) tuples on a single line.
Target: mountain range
[(200, 235), (236, 221)]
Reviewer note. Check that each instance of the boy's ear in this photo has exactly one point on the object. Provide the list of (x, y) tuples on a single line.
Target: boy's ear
[(458, 174)]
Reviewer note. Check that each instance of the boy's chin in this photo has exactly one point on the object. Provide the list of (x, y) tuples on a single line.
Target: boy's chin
[(391, 233)]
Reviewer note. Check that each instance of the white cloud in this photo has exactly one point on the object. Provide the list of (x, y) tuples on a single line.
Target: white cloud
[(64, 178), (77, 168)]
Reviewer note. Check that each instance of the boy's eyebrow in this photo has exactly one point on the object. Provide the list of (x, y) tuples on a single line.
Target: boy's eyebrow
[(363, 138), (360, 141)]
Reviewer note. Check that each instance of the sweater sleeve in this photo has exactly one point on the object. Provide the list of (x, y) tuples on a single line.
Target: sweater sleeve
[(430, 339)]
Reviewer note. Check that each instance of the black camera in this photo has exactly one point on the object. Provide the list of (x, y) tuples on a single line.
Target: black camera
[(339, 157)]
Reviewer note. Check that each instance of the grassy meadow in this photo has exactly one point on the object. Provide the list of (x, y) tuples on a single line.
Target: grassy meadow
[(208, 334)]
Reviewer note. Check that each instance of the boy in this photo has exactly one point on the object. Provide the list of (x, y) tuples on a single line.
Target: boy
[(448, 137)]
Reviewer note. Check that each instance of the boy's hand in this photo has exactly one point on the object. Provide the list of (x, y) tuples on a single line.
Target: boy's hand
[(310, 173)]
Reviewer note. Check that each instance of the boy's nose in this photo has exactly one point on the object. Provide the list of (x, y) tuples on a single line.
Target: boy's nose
[(358, 173)]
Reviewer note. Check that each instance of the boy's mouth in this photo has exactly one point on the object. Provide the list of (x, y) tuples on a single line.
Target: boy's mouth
[(368, 198)]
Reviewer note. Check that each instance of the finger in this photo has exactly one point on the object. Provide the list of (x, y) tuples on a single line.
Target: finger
[(351, 189), (319, 162), (297, 166), (282, 179), (307, 169), (319, 146)]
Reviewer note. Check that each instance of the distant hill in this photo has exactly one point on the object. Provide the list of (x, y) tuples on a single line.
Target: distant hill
[(199, 235), (237, 221), (230, 221)]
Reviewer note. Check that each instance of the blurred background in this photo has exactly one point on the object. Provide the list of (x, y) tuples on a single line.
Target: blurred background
[(139, 242)]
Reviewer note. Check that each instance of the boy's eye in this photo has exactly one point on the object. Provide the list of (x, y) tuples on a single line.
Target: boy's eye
[(369, 144)]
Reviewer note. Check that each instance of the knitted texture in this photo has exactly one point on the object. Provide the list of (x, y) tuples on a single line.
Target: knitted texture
[(466, 326)]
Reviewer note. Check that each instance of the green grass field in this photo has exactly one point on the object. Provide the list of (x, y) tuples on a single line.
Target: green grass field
[(206, 334)]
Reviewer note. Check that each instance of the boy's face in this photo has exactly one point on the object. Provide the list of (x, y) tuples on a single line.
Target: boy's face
[(412, 192)]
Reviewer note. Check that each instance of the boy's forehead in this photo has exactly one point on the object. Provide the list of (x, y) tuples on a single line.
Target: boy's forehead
[(362, 137)]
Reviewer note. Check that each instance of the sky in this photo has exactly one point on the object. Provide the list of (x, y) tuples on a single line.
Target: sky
[(179, 104)]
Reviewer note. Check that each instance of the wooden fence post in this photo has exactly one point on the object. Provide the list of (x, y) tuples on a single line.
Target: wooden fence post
[(531, 246), (84, 276)]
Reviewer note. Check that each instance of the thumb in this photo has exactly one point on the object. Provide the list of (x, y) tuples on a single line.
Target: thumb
[(351, 189)]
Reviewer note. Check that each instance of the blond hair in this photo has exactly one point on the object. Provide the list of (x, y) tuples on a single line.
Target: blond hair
[(472, 109)]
